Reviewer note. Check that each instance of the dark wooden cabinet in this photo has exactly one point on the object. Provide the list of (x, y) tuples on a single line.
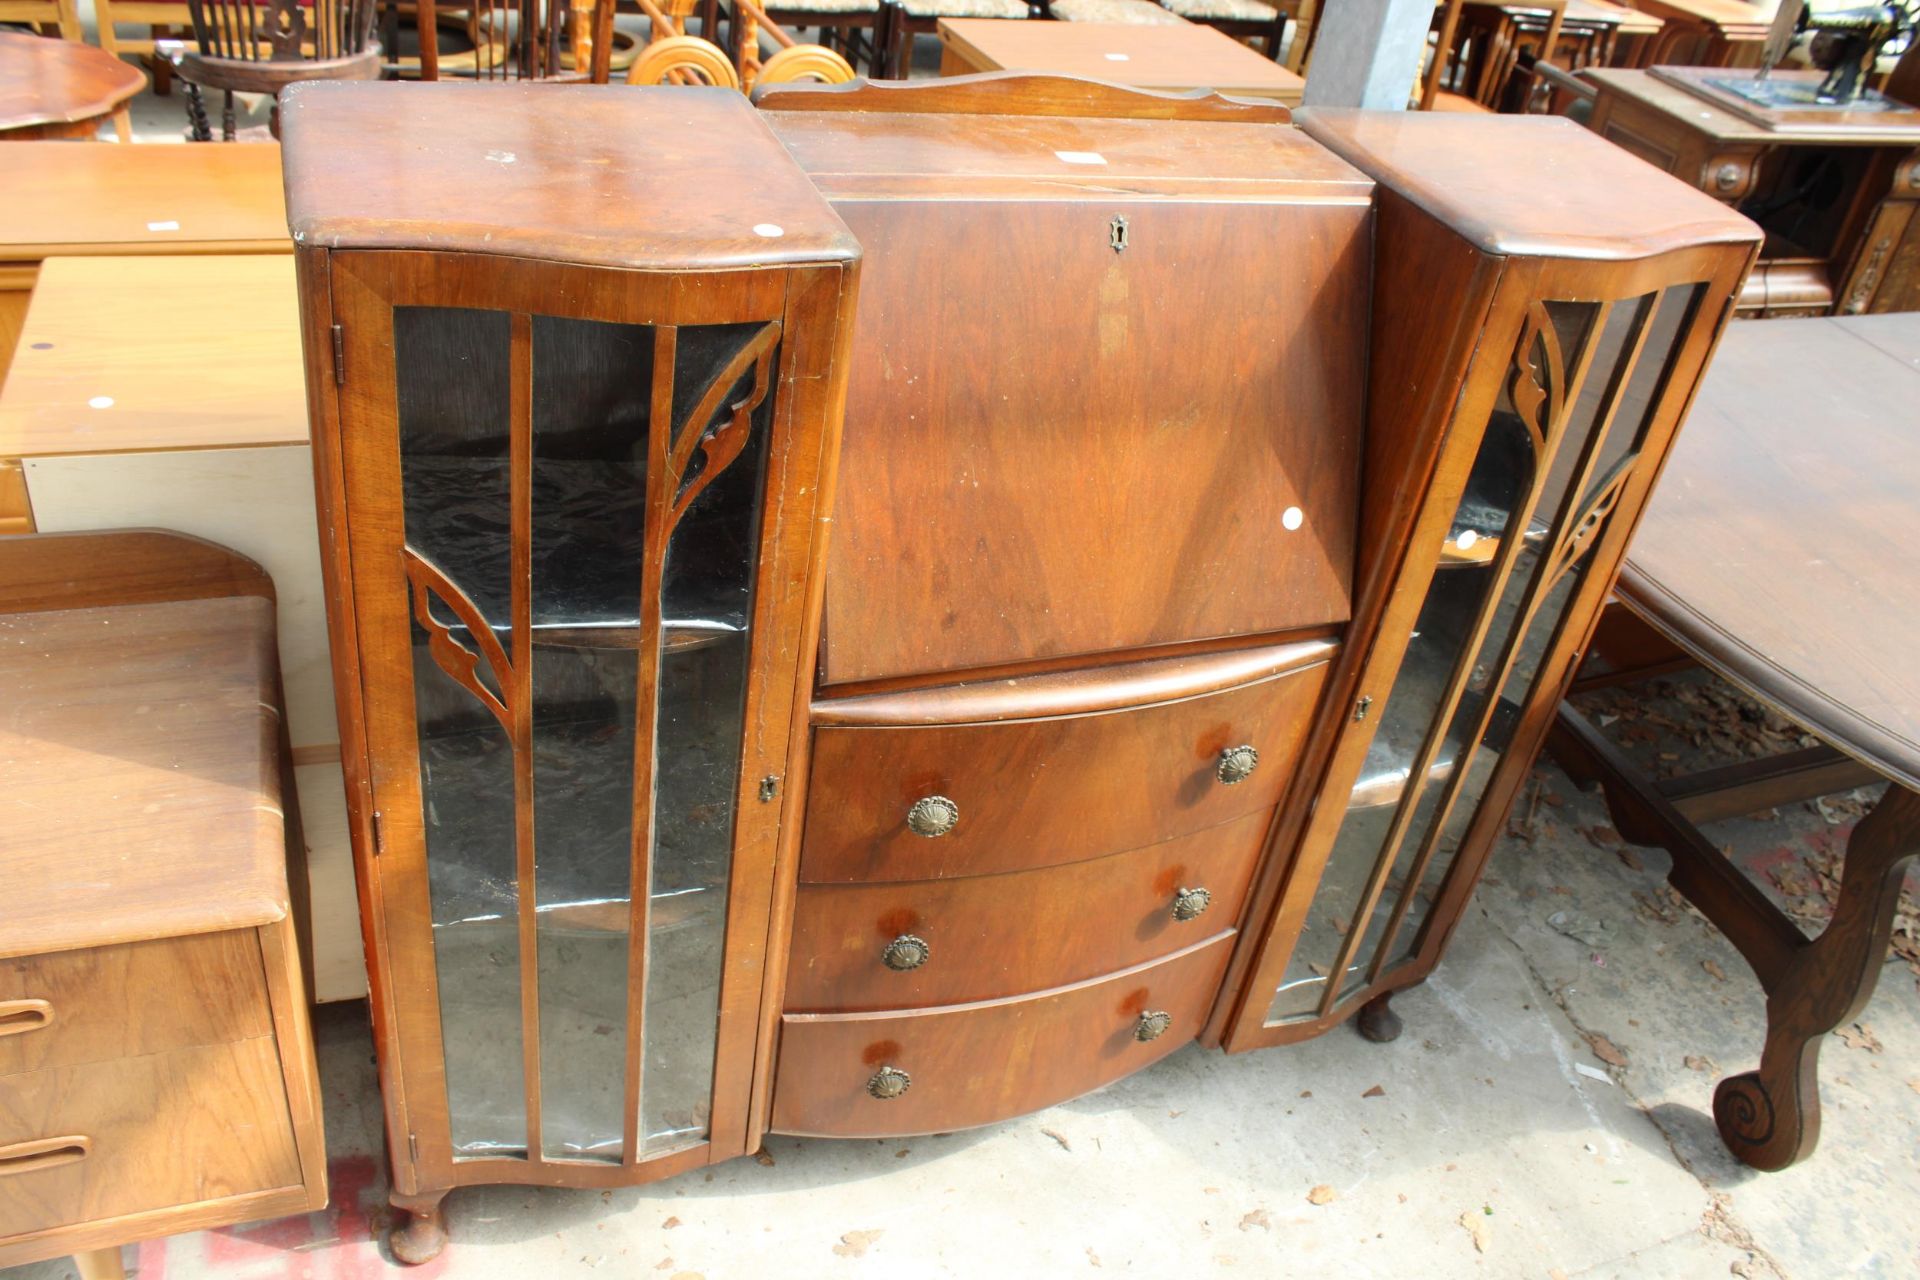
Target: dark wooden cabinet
[(1221, 507), (575, 409)]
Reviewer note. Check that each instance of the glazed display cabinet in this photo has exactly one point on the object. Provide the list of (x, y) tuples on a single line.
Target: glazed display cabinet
[(1221, 508), (569, 458)]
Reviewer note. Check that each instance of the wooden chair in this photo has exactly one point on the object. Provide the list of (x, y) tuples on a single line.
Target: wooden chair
[(791, 61), (565, 40), (1445, 86), (856, 29), (48, 17), (163, 20), (683, 60), (1241, 19), (1139, 13), (906, 19), (244, 47)]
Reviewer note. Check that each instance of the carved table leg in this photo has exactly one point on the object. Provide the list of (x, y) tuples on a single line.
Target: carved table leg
[(421, 1233), (1770, 1118), (1377, 1021), (100, 1264)]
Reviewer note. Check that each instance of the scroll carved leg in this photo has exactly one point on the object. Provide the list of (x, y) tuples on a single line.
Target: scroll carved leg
[(421, 1233), (1770, 1118), (1377, 1020)]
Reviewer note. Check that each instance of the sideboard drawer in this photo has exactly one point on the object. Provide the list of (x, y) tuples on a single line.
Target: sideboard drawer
[(870, 1075), (106, 1139), (127, 1001), (910, 944), (927, 801)]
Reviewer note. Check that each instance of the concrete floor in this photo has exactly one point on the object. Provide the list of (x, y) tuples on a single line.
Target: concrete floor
[(1488, 1141)]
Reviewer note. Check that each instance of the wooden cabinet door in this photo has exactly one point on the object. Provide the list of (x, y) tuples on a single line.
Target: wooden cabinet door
[(580, 509), (1573, 393)]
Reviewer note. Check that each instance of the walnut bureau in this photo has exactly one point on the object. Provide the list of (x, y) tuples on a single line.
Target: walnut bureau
[(1217, 509), (156, 1068)]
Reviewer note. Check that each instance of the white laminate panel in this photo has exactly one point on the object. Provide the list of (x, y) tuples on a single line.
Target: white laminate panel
[(257, 501), (339, 962)]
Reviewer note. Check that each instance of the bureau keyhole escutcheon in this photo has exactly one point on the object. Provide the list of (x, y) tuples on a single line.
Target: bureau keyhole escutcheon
[(1237, 764), (932, 816), (888, 1083), (1151, 1025), (908, 951)]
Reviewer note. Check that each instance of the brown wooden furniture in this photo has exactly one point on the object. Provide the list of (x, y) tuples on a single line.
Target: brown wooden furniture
[(1181, 56), (852, 28), (1707, 33), (683, 60), (159, 17), (564, 40), (50, 17), (571, 457), (61, 89), (1262, 20), (65, 200), (108, 418), (1447, 84), (156, 1068), (1827, 645), (905, 19), (1106, 630), (791, 60), (249, 47), (1838, 204)]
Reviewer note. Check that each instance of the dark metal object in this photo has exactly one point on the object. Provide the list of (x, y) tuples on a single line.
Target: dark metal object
[(888, 1083), (1237, 764), (1152, 1024), (932, 816), (1188, 903), (908, 951)]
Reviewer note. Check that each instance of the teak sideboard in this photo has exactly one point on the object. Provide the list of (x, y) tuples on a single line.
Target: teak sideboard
[(1218, 508)]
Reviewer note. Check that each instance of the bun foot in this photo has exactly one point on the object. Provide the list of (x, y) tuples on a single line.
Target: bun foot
[(420, 1234), (1377, 1021)]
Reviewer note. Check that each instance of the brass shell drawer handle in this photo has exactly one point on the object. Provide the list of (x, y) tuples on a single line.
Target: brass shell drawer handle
[(17, 1017), (932, 816), (908, 951), (1237, 763), (888, 1083), (1151, 1025), (1190, 903)]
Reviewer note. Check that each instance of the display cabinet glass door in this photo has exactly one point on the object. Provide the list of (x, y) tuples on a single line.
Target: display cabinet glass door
[(581, 508), (1500, 570)]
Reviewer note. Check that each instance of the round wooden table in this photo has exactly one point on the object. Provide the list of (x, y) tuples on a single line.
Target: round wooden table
[(61, 88)]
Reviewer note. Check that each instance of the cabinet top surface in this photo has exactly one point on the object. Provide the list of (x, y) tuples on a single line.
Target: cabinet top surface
[(142, 796), (615, 176), (1779, 545), (908, 155), (1529, 186), (1696, 114), (62, 198)]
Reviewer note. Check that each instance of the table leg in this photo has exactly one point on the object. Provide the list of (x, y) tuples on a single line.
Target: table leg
[(100, 1264), (1769, 1118)]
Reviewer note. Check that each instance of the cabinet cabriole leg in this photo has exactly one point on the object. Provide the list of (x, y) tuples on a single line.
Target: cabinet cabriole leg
[(1377, 1021), (420, 1233)]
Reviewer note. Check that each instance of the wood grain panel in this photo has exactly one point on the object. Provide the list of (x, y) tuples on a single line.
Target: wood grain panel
[(1076, 475), (977, 1064), (1034, 793), (1000, 935), (167, 1129), (128, 1001)]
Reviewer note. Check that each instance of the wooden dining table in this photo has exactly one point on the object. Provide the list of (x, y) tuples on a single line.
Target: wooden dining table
[(1175, 57), (1779, 553), (62, 89), (1708, 33)]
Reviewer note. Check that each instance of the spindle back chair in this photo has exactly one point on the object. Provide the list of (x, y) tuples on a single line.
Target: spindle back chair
[(248, 47)]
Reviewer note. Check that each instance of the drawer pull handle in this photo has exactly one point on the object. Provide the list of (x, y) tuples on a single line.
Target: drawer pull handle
[(932, 816), (43, 1153), (1188, 903), (908, 951), (17, 1017), (1151, 1025), (888, 1083), (1237, 763)]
